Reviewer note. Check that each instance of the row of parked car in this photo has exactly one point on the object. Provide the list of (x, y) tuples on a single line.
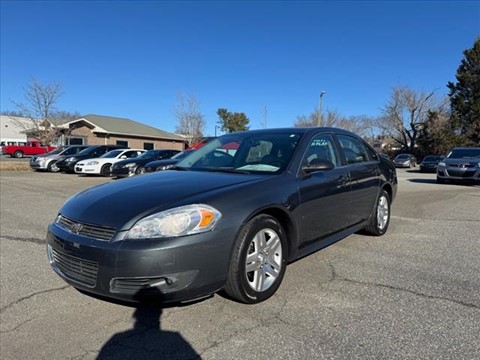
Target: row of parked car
[(106, 160), (461, 164)]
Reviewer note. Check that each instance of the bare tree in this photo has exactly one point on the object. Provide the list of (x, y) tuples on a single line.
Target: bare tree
[(39, 107), (406, 113), (360, 125), (191, 122)]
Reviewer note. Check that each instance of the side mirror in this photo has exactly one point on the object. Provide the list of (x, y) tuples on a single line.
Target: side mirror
[(123, 157), (318, 165)]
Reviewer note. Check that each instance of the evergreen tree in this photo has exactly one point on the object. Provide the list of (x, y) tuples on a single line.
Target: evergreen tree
[(465, 96), (232, 122)]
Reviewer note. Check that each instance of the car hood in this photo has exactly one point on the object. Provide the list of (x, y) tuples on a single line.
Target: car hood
[(470, 161), (157, 163), (121, 203)]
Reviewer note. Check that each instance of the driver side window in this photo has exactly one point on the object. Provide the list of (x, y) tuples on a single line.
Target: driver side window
[(321, 148)]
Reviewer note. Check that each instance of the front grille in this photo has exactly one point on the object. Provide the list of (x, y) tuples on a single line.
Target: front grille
[(79, 270), (91, 231), (462, 174), (462, 165)]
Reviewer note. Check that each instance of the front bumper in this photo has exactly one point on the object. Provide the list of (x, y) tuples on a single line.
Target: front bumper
[(66, 166), (37, 164), (122, 171), (176, 269), (86, 169), (402, 165), (458, 173), (428, 168)]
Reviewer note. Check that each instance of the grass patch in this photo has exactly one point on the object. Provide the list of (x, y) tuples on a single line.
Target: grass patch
[(14, 166)]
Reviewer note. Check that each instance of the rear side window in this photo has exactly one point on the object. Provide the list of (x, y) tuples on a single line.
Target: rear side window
[(353, 149)]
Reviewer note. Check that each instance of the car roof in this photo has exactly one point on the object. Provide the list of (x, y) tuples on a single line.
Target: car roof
[(302, 130)]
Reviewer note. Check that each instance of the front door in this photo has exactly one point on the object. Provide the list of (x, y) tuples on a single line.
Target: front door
[(325, 194)]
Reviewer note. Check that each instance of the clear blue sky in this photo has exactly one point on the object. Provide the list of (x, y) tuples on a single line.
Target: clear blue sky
[(131, 58)]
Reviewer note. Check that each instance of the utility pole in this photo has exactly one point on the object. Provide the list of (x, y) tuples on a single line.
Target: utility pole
[(320, 108)]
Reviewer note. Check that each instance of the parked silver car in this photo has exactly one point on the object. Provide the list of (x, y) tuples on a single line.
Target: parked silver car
[(461, 164), (405, 160), (47, 161)]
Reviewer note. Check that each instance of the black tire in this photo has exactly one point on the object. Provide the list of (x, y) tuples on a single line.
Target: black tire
[(440, 180), (380, 219), (49, 166), (18, 154), (140, 170), (270, 268), (105, 171)]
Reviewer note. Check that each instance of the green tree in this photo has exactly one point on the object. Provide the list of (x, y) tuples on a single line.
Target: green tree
[(231, 122), (436, 135), (465, 96)]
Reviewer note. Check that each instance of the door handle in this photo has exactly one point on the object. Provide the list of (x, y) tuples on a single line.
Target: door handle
[(342, 180)]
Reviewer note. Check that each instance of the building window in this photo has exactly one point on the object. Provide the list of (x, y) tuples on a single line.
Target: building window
[(122, 143), (75, 141), (147, 146)]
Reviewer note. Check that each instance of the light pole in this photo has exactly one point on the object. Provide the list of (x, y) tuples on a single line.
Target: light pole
[(320, 108)]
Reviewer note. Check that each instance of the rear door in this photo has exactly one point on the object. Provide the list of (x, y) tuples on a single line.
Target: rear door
[(364, 176)]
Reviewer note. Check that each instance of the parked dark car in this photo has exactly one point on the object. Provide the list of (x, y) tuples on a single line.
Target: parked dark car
[(68, 163), (462, 164), (222, 220), (430, 162), (405, 161), (47, 161), (160, 165), (136, 166)]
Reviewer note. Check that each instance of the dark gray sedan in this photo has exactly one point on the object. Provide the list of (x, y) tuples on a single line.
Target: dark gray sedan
[(230, 217)]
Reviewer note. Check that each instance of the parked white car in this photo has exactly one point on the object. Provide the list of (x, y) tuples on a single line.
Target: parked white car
[(102, 164)]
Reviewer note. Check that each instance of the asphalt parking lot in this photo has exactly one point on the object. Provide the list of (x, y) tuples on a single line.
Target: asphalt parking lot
[(411, 294)]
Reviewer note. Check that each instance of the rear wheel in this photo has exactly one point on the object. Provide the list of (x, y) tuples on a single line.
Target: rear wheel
[(140, 170), (258, 262), (18, 154), (105, 171), (380, 220)]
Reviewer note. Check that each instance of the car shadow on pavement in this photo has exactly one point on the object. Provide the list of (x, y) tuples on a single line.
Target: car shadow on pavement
[(147, 340), (423, 181)]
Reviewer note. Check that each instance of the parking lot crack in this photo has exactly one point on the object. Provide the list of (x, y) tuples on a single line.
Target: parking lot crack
[(390, 287), (16, 302), (16, 327), (25, 239)]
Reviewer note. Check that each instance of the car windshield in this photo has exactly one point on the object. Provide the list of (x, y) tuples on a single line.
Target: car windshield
[(58, 150), (247, 152), (112, 154), (432, 158), (148, 154), (181, 155), (403, 156), (88, 150), (464, 153)]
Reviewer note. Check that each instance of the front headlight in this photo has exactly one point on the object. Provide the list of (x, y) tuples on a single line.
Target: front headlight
[(131, 165), (92, 163), (70, 159), (441, 163), (180, 221)]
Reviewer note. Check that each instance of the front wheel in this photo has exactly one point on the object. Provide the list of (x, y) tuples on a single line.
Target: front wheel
[(380, 220), (105, 171), (140, 170), (258, 262)]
